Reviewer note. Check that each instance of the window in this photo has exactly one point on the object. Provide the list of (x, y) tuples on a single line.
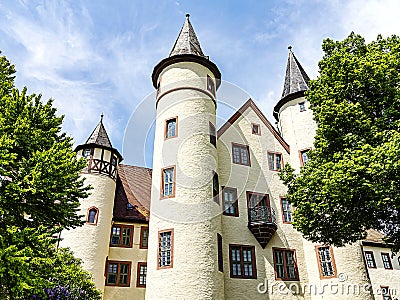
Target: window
[(220, 256), (229, 197), (242, 261), (86, 153), (118, 273), (259, 209), (274, 161), (144, 237), (369, 259), (213, 135), (327, 267), (302, 106), (285, 264), (387, 264), (92, 216), (215, 188), (121, 236), (171, 128), (255, 129), (141, 274), (114, 161), (210, 85), (165, 248), (303, 156), (168, 179), (386, 293), (286, 211), (240, 154), (129, 206)]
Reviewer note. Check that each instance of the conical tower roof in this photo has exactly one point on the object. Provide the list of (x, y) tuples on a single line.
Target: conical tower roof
[(186, 49), (187, 42), (296, 82), (99, 136), (99, 139), (296, 79)]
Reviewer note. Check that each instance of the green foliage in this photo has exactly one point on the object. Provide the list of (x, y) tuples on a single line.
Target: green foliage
[(351, 182), (39, 194)]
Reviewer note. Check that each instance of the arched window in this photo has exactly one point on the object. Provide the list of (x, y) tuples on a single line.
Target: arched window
[(92, 215)]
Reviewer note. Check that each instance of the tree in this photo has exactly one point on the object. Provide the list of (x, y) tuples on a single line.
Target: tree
[(40, 189), (351, 182)]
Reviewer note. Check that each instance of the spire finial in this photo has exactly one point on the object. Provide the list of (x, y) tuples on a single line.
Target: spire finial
[(101, 117), (187, 16), (290, 48)]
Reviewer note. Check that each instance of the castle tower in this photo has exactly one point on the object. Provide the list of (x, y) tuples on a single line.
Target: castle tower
[(90, 242), (185, 210), (292, 112)]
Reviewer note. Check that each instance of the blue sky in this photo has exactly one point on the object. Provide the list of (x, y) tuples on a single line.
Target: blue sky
[(97, 57)]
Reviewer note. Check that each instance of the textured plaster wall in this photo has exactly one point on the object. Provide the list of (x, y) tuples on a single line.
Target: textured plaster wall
[(192, 214), (384, 277), (90, 242), (257, 178), (297, 128), (133, 255)]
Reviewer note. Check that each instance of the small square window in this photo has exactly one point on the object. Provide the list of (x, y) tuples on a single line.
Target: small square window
[(240, 154), (215, 188), (286, 211), (165, 248), (285, 264), (141, 274), (171, 128), (86, 153), (302, 106), (144, 237), (369, 259), (255, 129), (210, 85), (275, 162), (242, 261), (327, 267), (118, 273), (121, 236), (229, 198), (304, 156), (213, 135), (168, 182), (387, 264)]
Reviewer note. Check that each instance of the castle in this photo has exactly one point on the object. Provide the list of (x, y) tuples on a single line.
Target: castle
[(210, 220)]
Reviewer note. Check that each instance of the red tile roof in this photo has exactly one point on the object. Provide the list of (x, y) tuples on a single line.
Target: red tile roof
[(134, 187)]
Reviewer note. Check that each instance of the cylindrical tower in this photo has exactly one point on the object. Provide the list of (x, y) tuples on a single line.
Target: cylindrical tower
[(293, 115), (91, 241), (185, 218)]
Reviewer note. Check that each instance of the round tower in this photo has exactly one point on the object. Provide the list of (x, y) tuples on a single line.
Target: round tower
[(185, 209), (293, 115), (91, 241)]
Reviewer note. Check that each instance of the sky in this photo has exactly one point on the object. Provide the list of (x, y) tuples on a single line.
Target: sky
[(95, 57)]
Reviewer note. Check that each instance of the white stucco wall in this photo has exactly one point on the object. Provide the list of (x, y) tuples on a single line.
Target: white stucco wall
[(90, 242), (191, 213)]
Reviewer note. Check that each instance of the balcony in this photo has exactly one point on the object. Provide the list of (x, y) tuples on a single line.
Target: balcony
[(262, 223)]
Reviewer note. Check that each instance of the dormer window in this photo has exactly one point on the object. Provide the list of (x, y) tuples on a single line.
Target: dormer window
[(129, 206), (86, 153)]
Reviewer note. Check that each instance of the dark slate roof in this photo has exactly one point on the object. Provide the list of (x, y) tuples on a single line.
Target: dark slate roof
[(187, 42), (296, 79), (99, 136), (134, 187)]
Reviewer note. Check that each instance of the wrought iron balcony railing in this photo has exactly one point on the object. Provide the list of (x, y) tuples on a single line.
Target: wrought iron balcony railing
[(263, 215)]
